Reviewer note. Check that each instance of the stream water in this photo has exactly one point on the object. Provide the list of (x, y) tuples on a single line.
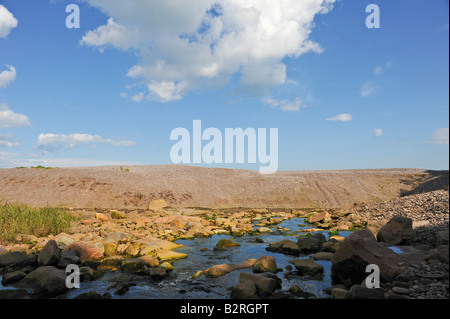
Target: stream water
[(180, 285)]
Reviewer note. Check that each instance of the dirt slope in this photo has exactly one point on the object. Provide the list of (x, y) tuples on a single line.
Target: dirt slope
[(188, 186)]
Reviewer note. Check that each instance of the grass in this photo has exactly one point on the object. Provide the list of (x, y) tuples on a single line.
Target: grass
[(39, 167), (122, 169), (21, 219)]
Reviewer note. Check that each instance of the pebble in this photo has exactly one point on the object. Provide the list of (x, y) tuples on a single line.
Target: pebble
[(401, 291)]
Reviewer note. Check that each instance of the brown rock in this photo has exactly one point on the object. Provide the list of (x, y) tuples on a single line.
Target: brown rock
[(49, 255), (319, 217), (220, 270), (397, 231), (45, 281), (359, 250), (87, 251), (101, 217), (157, 204), (265, 264)]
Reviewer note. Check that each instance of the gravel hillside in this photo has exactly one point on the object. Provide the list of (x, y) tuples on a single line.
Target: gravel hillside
[(188, 186)]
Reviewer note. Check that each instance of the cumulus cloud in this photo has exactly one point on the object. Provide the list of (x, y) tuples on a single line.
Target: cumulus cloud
[(284, 105), (440, 136), (6, 140), (7, 22), (341, 118), (378, 132), (7, 76), (10, 119), (186, 45), (53, 142)]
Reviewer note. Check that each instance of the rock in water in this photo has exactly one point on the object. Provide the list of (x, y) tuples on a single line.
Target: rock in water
[(265, 264), (286, 247), (397, 231), (46, 281), (223, 244), (223, 269), (307, 267), (309, 244), (253, 286), (12, 277)]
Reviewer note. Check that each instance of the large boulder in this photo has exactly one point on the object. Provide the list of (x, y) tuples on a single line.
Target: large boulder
[(397, 231), (46, 281), (49, 255), (359, 250)]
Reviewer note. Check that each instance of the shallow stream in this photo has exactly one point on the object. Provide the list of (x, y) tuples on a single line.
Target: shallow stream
[(180, 285)]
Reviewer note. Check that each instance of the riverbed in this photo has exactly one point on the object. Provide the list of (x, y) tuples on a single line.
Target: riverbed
[(201, 256)]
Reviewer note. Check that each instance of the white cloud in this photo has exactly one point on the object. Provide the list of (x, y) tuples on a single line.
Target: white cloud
[(284, 105), (165, 91), (111, 34), (7, 22), (378, 132), (185, 45), (138, 97), (10, 119), (440, 136), (368, 89), (52, 142), (7, 76), (379, 70), (341, 118), (7, 140)]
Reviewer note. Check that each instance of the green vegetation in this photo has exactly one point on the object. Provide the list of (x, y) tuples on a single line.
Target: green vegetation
[(333, 232), (122, 169), (22, 219), (39, 167)]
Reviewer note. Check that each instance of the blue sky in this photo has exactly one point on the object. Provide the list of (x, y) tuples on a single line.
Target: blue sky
[(342, 96)]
